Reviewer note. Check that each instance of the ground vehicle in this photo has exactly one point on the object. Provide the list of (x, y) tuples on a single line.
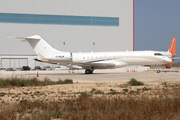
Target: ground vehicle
[(18, 69), (2, 69), (37, 68), (47, 68), (25, 68), (57, 68), (10, 69)]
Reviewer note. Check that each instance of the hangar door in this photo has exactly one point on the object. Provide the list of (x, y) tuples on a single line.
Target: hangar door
[(14, 62)]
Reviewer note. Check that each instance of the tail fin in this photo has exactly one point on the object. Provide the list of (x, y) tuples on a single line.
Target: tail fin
[(40, 46), (172, 49)]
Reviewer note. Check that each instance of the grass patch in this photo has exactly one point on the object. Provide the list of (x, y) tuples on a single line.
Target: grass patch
[(99, 92), (130, 107), (2, 94), (134, 82), (92, 90), (83, 95), (133, 92), (112, 92), (125, 90), (145, 89), (66, 81), (22, 82)]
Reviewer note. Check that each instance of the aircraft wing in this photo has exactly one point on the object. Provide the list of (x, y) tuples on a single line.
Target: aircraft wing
[(95, 65), (81, 65), (177, 55), (101, 65), (85, 65), (175, 58)]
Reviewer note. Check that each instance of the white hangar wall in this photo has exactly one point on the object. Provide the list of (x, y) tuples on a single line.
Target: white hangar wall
[(67, 25)]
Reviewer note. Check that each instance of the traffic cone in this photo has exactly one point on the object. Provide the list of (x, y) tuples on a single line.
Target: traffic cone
[(37, 75)]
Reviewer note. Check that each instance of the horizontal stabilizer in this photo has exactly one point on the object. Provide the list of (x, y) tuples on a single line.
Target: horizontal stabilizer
[(24, 38)]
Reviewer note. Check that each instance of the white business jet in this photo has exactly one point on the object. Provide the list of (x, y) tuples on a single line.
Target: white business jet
[(94, 60)]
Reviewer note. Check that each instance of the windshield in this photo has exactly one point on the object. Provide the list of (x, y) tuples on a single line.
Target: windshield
[(158, 54)]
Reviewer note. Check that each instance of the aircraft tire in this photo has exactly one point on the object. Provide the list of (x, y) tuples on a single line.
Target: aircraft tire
[(158, 71), (168, 67), (87, 71), (91, 71)]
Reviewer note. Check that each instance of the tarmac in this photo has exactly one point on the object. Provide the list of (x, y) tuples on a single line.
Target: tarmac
[(99, 76)]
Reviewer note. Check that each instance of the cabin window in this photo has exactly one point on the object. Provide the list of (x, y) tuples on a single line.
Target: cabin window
[(157, 54)]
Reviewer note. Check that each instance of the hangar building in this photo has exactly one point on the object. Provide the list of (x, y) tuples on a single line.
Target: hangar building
[(67, 25)]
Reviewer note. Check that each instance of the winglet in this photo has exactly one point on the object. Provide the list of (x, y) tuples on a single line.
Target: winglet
[(172, 47)]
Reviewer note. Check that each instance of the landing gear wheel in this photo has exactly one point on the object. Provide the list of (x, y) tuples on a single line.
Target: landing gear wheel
[(88, 71), (158, 71), (91, 71)]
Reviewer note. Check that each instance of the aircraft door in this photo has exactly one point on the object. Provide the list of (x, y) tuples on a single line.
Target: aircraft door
[(71, 56)]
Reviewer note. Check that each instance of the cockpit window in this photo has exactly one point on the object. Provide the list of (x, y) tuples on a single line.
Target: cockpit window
[(158, 54)]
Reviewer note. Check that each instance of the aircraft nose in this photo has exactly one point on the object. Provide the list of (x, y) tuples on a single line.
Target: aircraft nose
[(168, 60)]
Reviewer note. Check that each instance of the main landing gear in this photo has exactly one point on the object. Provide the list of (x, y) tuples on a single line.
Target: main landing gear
[(89, 71)]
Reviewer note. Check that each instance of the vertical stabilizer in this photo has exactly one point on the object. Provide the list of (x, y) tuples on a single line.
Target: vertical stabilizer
[(40, 46), (172, 49)]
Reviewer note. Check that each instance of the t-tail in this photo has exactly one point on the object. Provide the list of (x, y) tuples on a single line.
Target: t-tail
[(40, 46), (172, 50)]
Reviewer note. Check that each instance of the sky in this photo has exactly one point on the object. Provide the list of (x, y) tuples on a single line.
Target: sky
[(155, 23)]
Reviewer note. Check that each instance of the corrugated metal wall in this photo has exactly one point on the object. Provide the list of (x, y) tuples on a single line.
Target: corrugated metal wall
[(14, 62), (72, 38)]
